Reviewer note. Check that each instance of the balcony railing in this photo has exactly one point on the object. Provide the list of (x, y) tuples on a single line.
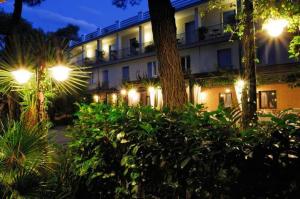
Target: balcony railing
[(203, 34), (178, 4)]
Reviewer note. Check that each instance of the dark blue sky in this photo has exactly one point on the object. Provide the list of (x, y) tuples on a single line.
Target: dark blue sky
[(87, 14)]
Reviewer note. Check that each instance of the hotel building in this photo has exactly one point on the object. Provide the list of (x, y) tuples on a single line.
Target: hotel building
[(124, 66)]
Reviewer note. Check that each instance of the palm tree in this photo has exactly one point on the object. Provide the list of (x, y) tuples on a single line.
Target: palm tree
[(26, 158)]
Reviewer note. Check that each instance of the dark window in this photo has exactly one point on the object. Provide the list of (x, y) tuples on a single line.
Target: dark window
[(105, 80), (186, 64), (225, 99), (229, 17), (125, 73), (267, 100), (151, 69), (94, 77), (224, 58)]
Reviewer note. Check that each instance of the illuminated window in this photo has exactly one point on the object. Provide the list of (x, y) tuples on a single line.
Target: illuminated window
[(225, 99), (267, 99), (186, 63)]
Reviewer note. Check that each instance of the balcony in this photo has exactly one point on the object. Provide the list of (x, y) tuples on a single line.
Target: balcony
[(139, 18), (203, 35)]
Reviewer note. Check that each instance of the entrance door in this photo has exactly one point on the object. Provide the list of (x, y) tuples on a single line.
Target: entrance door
[(190, 32)]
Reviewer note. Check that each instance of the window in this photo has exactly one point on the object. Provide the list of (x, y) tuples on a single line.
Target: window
[(94, 78), (225, 99), (224, 59), (125, 73), (105, 80), (186, 63), (267, 99), (228, 17), (151, 69)]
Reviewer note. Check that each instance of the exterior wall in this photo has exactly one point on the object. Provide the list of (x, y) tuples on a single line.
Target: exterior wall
[(211, 96), (207, 60), (136, 67), (287, 97)]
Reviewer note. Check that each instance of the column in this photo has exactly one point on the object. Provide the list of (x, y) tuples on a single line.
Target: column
[(198, 22), (141, 38)]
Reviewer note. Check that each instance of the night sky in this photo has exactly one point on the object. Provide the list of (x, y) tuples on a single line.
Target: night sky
[(87, 14)]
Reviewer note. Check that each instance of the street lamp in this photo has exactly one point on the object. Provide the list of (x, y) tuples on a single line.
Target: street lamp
[(60, 73), (275, 27), (21, 76)]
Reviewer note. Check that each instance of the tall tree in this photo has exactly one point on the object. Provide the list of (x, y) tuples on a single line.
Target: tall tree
[(162, 15), (252, 13), (17, 15)]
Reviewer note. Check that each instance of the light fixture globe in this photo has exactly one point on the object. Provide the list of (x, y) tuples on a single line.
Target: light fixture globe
[(21, 76), (275, 27), (60, 73)]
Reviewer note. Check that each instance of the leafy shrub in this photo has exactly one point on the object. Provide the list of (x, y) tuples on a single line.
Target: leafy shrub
[(127, 152), (25, 160)]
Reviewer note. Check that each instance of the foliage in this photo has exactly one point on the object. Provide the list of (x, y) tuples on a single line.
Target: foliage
[(127, 152), (25, 160), (264, 10), (31, 52)]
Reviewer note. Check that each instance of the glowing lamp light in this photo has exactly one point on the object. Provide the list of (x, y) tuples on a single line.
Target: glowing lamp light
[(133, 97), (203, 96), (114, 98), (152, 95), (60, 73), (275, 27), (239, 86), (21, 76), (227, 90), (123, 92), (96, 98)]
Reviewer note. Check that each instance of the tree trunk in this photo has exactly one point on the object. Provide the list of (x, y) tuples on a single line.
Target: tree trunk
[(40, 94), (249, 101), (16, 16), (164, 34), (13, 106)]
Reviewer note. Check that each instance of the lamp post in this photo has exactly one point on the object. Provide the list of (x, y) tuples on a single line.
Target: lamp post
[(60, 73)]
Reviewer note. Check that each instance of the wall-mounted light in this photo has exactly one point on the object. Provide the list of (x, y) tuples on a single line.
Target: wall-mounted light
[(123, 92), (96, 98)]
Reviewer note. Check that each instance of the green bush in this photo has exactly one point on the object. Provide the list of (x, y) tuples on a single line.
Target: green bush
[(26, 159), (128, 152)]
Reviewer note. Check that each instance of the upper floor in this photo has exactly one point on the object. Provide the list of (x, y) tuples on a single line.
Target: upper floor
[(133, 37)]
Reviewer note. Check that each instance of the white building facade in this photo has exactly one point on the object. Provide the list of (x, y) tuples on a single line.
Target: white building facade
[(122, 57)]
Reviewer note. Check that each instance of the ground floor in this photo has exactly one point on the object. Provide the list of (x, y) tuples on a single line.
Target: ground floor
[(270, 97)]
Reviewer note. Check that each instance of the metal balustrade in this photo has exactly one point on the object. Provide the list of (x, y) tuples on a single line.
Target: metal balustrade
[(203, 34), (130, 21), (178, 4)]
